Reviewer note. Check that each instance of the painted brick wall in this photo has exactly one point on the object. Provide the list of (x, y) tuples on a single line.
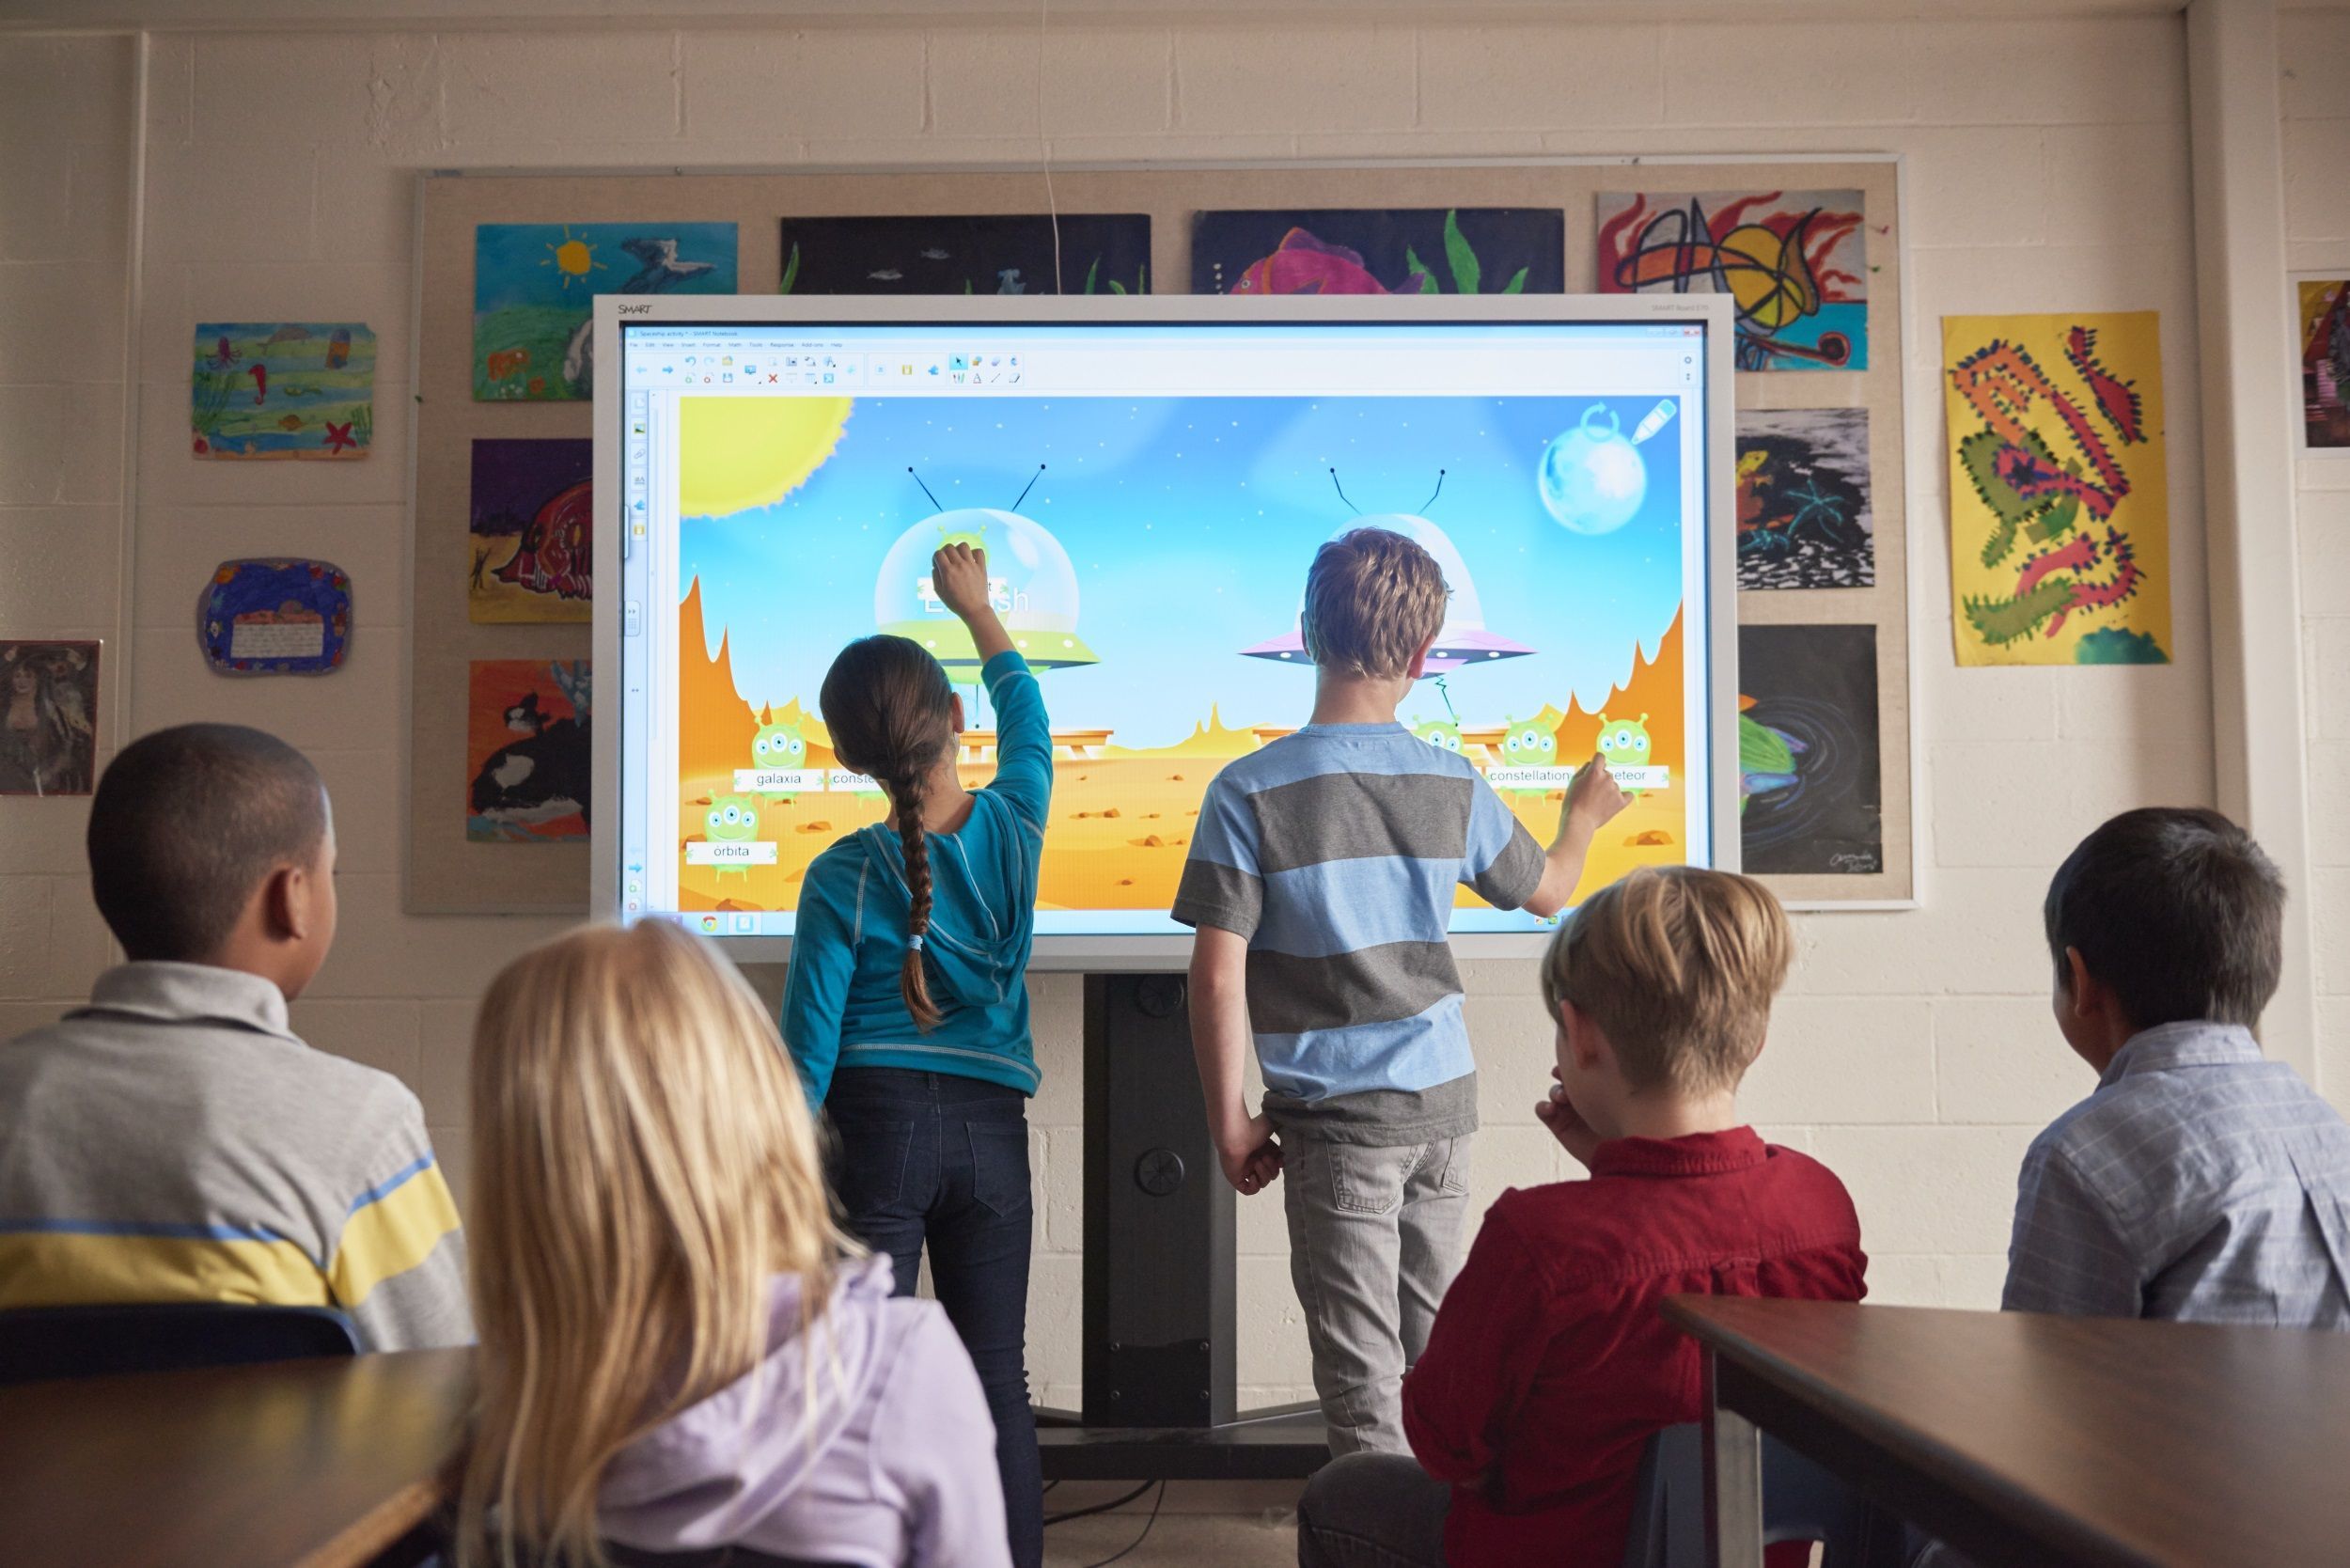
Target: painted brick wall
[(1913, 1053), (2314, 48)]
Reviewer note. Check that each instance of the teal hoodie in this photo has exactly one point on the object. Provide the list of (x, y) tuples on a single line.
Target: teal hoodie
[(841, 1006)]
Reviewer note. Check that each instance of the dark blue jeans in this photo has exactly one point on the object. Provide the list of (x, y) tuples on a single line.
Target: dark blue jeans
[(928, 1157)]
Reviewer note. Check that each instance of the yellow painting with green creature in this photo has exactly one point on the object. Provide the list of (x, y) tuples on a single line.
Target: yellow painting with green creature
[(2060, 503)]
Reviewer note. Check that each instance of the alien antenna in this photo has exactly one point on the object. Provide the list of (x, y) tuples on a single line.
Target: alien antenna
[(1031, 485), (1342, 489), (1434, 494), (926, 489)]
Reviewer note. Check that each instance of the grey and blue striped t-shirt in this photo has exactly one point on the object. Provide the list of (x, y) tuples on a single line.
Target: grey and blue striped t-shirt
[(1336, 851)]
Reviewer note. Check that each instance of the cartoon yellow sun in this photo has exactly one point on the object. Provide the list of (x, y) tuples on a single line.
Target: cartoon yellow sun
[(573, 257)]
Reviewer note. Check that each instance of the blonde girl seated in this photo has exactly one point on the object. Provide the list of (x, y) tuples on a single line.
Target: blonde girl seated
[(679, 1349)]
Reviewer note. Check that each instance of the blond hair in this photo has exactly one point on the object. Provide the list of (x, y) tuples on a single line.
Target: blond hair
[(644, 1165), (1677, 965), (1373, 600)]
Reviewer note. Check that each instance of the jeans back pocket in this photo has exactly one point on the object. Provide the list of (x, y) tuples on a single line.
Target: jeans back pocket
[(999, 1166), (872, 1163)]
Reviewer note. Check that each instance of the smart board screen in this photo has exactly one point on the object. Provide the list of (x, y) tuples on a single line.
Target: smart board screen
[(1150, 497)]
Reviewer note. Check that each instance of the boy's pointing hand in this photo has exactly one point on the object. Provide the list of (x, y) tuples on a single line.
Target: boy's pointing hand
[(1592, 798)]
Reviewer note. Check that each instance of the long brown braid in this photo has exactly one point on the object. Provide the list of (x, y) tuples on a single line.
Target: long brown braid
[(891, 711)]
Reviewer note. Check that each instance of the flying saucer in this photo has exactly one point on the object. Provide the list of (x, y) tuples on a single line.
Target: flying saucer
[(1462, 641)]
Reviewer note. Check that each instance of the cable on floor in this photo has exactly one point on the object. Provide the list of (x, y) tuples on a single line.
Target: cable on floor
[(1051, 1519), (1139, 1539)]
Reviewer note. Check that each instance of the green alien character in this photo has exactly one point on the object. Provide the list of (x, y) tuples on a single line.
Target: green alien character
[(1624, 745), (732, 820), (1443, 734), (1526, 744), (976, 538), (779, 745)]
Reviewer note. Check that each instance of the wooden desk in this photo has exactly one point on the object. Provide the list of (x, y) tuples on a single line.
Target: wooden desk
[(2023, 1440), (296, 1465)]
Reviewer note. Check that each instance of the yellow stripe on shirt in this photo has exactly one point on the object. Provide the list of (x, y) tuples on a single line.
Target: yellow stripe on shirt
[(66, 1268), (390, 1231)]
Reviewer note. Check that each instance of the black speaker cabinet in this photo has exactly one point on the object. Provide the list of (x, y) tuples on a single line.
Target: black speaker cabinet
[(1158, 1258)]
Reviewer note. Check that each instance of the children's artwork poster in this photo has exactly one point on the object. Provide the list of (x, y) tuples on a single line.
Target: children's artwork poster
[(1796, 262), (275, 615), (530, 549), (1804, 520), (527, 746), (2059, 506), (2324, 309), (283, 389), (534, 285), (1810, 794), (48, 718), (1100, 253), (1364, 250)]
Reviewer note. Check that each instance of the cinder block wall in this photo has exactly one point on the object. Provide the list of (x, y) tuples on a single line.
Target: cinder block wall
[(2045, 167)]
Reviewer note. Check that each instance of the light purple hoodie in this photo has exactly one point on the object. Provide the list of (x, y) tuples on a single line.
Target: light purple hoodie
[(876, 1450)]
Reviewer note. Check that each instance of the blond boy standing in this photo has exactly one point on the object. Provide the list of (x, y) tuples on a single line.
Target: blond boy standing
[(1321, 884)]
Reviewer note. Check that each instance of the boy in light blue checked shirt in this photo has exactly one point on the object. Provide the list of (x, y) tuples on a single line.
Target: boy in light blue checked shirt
[(1320, 883), (2200, 1181)]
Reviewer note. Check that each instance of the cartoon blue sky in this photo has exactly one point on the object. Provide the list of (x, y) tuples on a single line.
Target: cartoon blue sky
[(1191, 522)]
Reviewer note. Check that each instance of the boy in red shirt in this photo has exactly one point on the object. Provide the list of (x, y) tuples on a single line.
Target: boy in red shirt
[(1549, 1365)]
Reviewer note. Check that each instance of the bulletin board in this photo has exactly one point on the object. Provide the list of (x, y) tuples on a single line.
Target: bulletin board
[(1826, 739)]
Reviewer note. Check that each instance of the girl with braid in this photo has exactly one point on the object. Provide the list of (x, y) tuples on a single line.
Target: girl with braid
[(907, 1007)]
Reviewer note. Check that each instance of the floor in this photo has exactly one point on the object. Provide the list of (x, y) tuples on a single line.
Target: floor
[(1228, 1527)]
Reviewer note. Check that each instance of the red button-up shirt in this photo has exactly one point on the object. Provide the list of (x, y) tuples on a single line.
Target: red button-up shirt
[(1549, 1364)]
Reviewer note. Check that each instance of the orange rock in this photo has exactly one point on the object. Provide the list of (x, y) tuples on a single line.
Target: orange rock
[(1112, 811), (815, 827), (1653, 835)]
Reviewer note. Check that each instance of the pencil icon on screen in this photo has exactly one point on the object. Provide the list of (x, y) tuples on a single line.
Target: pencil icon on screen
[(1657, 419)]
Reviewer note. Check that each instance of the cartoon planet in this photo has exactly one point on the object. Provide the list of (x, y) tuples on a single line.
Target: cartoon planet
[(1030, 578), (1463, 639), (1592, 479)]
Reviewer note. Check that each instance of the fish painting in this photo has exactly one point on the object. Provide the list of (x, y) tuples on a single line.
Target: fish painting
[(1346, 250), (289, 332), (290, 422), (988, 253), (1302, 264)]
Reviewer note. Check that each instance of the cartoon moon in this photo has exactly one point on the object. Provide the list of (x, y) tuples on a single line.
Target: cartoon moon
[(1591, 478)]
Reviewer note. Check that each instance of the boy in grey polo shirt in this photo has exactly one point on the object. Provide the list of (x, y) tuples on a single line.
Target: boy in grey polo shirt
[(1320, 883)]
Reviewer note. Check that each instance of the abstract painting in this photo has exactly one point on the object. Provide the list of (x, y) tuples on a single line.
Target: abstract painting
[(529, 546), (48, 718), (2060, 520), (1350, 250), (1804, 520), (533, 285), (1796, 262), (2324, 306), (283, 389), (529, 768), (1809, 798), (275, 615), (1100, 253)]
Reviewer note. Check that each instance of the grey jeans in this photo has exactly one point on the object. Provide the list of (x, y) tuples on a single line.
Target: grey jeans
[(1373, 1511), (1374, 1239)]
